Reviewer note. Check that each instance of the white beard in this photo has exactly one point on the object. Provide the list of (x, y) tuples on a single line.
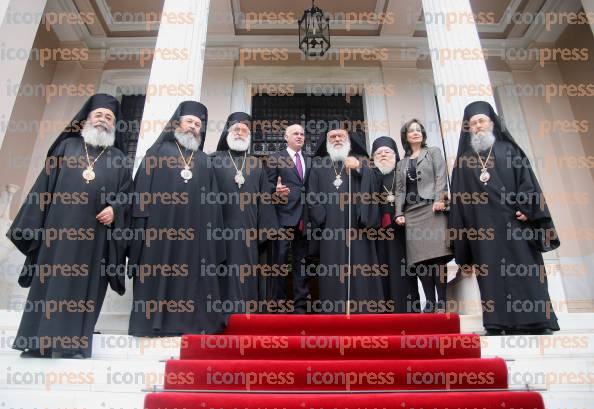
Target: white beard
[(238, 145), (187, 140), (97, 137), (338, 154), (481, 141), (387, 167)]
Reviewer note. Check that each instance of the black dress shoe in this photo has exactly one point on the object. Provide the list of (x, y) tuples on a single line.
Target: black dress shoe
[(33, 353), (542, 331), (494, 332), (72, 355)]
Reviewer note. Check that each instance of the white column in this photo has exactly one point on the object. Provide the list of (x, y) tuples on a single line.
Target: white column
[(589, 8), (459, 70), (219, 68), (3, 8), (376, 113), (19, 23), (461, 77), (513, 117), (174, 80)]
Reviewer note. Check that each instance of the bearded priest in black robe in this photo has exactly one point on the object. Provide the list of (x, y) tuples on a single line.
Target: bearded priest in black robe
[(400, 288), (356, 287), (66, 228), (502, 225), (249, 218), (172, 259)]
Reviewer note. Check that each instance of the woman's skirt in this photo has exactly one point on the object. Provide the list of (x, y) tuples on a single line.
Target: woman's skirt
[(426, 233)]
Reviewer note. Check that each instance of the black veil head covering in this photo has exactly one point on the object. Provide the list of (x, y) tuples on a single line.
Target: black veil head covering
[(501, 134), (358, 146), (185, 108), (387, 142), (234, 118), (75, 126)]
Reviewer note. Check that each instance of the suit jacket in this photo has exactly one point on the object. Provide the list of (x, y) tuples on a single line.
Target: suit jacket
[(281, 164), (431, 177)]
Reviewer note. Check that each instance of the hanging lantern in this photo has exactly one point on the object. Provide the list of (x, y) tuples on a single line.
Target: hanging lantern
[(314, 32)]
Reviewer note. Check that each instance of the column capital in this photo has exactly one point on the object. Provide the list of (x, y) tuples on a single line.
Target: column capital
[(401, 58), (531, 60), (221, 56), (95, 60), (177, 80), (460, 77)]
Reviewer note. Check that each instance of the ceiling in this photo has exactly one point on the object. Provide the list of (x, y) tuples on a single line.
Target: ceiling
[(139, 18)]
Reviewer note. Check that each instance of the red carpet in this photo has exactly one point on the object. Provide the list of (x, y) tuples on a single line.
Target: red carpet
[(337, 375), (334, 361), (318, 347), (451, 400), (359, 324)]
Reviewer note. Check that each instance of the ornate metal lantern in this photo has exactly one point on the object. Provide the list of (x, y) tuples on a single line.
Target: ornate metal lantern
[(314, 32)]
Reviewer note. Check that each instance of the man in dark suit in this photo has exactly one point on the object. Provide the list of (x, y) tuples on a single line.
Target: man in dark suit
[(288, 171)]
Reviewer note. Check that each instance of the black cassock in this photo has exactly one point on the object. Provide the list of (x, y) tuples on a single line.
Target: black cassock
[(507, 251), (328, 231), (187, 296), (400, 288), (244, 282), (82, 263)]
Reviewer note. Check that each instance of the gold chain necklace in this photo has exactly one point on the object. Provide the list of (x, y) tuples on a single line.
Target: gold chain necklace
[(338, 181), (89, 173), (391, 197), (186, 173), (485, 176), (239, 178)]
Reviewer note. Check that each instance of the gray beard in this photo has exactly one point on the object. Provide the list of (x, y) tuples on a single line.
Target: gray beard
[(97, 137), (340, 154), (481, 141), (238, 145), (187, 140), (385, 168)]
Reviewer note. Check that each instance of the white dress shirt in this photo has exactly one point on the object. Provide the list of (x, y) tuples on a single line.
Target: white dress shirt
[(292, 154)]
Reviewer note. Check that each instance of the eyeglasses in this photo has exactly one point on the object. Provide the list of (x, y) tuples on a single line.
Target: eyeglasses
[(415, 129)]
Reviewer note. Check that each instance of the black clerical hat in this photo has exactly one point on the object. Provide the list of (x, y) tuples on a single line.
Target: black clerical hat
[(76, 124), (234, 118), (185, 108), (387, 142), (104, 101), (193, 108), (479, 107)]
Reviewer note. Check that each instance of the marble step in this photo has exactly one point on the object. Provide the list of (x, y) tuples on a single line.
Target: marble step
[(117, 323)]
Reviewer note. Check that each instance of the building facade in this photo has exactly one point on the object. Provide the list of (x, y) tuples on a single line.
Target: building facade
[(391, 60)]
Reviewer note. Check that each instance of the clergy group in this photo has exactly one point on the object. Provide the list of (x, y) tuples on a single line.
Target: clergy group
[(335, 230)]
